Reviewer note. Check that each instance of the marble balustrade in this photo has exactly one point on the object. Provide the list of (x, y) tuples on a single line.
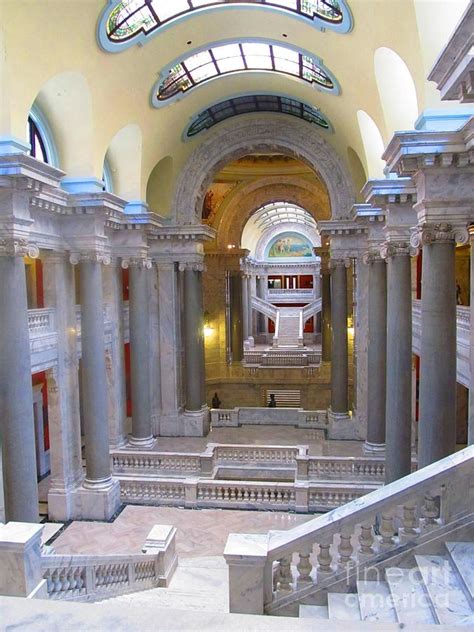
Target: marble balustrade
[(241, 416), (41, 573), (463, 332), (44, 336), (338, 546), (245, 477)]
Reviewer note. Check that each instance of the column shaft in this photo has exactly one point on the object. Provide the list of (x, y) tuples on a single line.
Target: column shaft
[(94, 384), (140, 355), (236, 317), (399, 365), (470, 427), (245, 308), (437, 429), (16, 399), (377, 354), (194, 340), (326, 317), (249, 294), (339, 359)]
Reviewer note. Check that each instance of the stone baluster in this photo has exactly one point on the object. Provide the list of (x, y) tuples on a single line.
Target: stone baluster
[(325, 557), (345, 549), (366, 540), (387, 531), (16, 394), (304, 566), (141, 436), (409, 530), (285, 575), (430, 512)]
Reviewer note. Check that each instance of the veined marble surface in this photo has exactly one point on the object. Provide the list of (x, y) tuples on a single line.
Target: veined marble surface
[(462, 555), (30, 615)]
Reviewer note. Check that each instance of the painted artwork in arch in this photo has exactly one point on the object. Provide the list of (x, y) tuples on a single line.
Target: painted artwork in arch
[(289, 245)]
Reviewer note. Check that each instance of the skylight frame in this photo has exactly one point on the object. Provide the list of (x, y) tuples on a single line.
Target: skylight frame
[(184, 74), (211, 116), (154, 25)]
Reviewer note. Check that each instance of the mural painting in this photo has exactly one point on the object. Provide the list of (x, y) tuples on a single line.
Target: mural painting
[(290, 245)]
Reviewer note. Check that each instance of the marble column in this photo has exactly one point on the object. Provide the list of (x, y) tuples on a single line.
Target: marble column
[(140, 351), (94, 380), (170, 350), (16, 393), (470, 428), (399, 362), (194, 338), (437, 425), (63, 389), (326, 316), (245, 308), (261, 318), (377, 354), (249, 295), (155, 351), (115, 356), (236, 316), (339, 355)]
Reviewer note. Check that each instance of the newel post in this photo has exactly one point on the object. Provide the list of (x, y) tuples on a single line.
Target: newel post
[(250, 572)]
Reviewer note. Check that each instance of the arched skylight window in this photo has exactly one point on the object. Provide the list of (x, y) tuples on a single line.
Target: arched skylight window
[(36, 140), (255, 103), (282, 213), (125, 20), (237, 57)]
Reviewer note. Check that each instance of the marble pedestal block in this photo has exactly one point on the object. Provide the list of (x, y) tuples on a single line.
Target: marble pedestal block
[(97, 502), (246, 556), (196, 423), (20, 560), (61, 504)]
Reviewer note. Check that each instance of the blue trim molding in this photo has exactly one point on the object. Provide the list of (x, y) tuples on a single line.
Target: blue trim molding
[(9, 146), (82, 185)]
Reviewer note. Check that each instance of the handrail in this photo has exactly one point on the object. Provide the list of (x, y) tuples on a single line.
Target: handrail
[(356, 512), (264, 307), (312, 308)]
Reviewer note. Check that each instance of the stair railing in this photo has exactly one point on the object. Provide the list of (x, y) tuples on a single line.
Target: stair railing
[(380, 523)]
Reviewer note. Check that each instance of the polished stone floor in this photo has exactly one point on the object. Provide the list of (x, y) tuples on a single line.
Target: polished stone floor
[(200, 533)]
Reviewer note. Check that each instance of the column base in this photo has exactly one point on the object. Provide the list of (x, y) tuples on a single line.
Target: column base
[(344, 427), (196, 423), (375, 449), (139, 443), (97, 500)]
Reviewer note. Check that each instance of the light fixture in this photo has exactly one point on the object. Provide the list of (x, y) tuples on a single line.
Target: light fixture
[(350, 326), (208, 330)]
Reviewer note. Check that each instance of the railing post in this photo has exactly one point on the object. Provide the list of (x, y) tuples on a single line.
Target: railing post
[(250, 573), (20, 560)]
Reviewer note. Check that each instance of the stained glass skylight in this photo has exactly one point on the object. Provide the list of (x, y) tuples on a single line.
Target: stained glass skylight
[(241, 57), (255, 103), (125, 20)]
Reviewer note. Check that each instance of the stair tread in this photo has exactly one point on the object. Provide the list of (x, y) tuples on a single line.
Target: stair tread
[(449, 601), (313, 612), (462, 555), (375, 602), (344, 607), (410, 599)]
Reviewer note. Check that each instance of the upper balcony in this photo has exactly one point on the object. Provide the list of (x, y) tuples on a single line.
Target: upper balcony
[(282, 295)]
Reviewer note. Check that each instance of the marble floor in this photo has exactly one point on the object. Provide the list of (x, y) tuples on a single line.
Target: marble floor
[(200, 533)]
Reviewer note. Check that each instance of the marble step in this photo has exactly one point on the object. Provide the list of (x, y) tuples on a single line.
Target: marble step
[(410, 599), (449, 601), (375, 602), (200, 584), (313, 612), (462, 557), (344, 607)]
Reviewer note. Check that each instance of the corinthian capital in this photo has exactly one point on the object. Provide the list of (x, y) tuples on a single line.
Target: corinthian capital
[(340, 262), (195, 266), (442, 233), (18, 248)]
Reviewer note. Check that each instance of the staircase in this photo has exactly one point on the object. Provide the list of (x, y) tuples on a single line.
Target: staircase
[(402, 554), (289, 334), (438, 589)]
